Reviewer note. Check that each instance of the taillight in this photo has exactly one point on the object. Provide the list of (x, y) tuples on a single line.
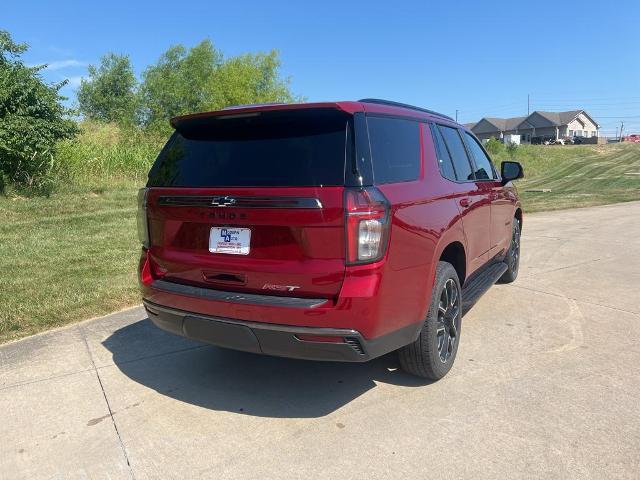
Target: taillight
[(142, 220), (367, 223), (144, 269)]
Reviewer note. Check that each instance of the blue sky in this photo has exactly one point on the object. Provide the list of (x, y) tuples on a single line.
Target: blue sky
[(481, 58)]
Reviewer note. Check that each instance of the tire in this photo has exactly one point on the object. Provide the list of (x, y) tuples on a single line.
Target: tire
[(512, 259), (433, 353)]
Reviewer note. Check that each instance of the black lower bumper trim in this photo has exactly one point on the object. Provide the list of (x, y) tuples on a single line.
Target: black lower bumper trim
[(278, 340)]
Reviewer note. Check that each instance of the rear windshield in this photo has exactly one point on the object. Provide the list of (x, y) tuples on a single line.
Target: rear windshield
[(279, 149)]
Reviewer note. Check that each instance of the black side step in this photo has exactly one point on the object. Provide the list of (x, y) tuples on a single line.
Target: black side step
[(479, 283)]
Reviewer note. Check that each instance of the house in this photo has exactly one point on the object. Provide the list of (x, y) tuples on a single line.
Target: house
[(539, 126)]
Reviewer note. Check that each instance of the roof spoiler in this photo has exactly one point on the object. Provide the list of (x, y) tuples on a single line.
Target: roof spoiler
[(252, 110)]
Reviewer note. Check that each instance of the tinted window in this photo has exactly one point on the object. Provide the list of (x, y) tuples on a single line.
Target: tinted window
[(484, 170), (395, 149), (444, 160), (458, 153), (279, 149)]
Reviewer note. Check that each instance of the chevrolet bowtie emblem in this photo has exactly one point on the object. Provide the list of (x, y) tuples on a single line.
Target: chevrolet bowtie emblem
[(223, 201)]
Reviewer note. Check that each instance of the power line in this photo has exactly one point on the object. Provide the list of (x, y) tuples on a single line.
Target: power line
[(571, 96), (493, 108), (603, 107), (591, 105)]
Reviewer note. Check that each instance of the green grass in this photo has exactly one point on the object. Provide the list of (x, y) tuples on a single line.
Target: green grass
[(66, 258), (577, 176), (73, 255)]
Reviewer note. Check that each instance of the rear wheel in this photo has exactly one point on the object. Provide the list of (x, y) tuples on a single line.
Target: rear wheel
[(512, 258), (433, 353)]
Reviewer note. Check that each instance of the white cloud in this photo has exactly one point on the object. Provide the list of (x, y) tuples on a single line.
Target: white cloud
[(61, 64)]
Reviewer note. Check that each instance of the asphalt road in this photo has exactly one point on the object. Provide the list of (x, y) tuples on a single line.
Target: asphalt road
[(546, 384)]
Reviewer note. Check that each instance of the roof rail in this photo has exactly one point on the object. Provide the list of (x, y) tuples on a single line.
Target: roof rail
[(404, 105), (249, 105)]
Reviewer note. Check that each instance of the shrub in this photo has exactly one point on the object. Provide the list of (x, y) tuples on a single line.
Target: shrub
[(494, 146), (32, 121), (512, 149)]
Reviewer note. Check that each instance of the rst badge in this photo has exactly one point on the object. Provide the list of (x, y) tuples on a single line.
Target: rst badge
[(280, 288), (235, 241)]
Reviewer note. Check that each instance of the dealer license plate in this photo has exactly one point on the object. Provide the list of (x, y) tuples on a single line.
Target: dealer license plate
[(235, 241)]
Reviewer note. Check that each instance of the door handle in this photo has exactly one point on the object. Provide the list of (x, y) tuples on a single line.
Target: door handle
[(224, 277), (465, 202)]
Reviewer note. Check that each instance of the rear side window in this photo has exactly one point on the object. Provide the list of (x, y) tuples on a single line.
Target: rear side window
[(484, 169), (444, 159), (458, 153), (278, 149), (395, 149)]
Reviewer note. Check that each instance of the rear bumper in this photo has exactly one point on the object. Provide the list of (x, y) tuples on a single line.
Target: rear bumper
[(275, 339), (235, 297)]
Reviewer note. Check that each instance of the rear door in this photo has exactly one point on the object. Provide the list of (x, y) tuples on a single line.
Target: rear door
[(502, 199), (253, 202), (473, 200)]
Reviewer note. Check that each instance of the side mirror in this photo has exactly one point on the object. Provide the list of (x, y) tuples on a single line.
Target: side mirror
[(511, 171)]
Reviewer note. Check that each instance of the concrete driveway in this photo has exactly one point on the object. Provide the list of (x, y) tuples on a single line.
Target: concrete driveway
[(546, 384)]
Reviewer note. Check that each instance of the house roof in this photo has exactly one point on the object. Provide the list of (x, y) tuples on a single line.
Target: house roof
[(512, 123), (567, 117), (469, 125), (559, 118), (499, 123), (554, 118)]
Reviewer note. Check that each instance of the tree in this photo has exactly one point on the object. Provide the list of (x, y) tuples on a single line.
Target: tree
[(109, 93), (32, 118), (186, 81), (250, 78), (177, 84)]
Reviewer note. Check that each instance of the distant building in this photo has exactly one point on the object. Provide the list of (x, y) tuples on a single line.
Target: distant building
[(538, 126)]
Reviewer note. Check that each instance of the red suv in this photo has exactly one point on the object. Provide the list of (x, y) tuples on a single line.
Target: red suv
[(326, 231)]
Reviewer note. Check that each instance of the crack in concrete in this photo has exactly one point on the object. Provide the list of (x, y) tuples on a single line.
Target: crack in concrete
[(38, 380), (106, 399), (586, 262), (94, 367), (155, 355), (578, 300)]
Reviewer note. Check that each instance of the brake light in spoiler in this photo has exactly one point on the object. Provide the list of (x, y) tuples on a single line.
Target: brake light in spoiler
[(367, 219)]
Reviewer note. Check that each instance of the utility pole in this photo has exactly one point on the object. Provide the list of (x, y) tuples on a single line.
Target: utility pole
[(528, 104), (616, 132), (456, 115), (621, 128)]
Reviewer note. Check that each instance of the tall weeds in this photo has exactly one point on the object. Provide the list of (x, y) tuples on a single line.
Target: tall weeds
[(104, 154)]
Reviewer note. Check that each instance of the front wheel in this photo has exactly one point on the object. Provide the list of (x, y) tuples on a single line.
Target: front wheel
[(433, 353)]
